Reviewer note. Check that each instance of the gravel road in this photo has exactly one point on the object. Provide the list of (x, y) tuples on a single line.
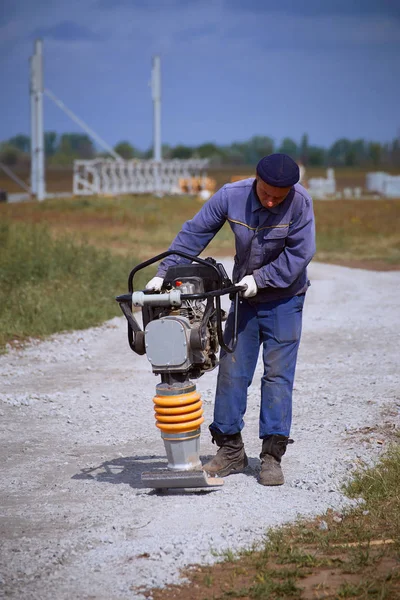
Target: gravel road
[(77, 430)]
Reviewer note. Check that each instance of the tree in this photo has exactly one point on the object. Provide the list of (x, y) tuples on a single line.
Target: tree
[(21, 142), (181, 151), (207, 150), (76, 145), (316, 156), (304, 149), (215, 154), (289, 146), (340, 152), (395, 152), (234, 154), (125, 150), (257, 147), (375, 153), (360, 151), (149, 153), (9, 154), (166, 151), (50, 143)]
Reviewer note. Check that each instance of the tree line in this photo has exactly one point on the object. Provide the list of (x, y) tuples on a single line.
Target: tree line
[(63, 149)]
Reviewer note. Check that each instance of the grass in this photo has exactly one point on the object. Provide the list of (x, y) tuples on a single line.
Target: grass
[(63, 261), (359, 233), (49, 285), (356, 556)]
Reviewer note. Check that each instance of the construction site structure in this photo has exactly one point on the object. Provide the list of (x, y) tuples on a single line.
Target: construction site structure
[(119, 177), (323, 187), (384, 184)]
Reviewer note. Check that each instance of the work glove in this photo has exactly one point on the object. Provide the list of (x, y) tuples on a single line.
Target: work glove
[(155, 284), (252, 288)]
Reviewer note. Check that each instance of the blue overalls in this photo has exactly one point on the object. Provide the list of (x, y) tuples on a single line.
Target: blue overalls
[(275, 246)]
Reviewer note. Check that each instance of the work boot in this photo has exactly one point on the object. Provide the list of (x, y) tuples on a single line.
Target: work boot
[(230, 458), (273, 448)]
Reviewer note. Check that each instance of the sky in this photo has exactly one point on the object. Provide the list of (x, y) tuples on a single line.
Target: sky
[(231, 69)]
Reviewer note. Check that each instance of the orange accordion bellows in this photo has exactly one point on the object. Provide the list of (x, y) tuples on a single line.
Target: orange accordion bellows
[(178, 414)]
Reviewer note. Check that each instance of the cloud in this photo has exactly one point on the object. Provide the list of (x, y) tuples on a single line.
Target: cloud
[(195, 32), (312, 67), (67, 31), (319, 33), (147, 5), (7, 11), (317, 8)]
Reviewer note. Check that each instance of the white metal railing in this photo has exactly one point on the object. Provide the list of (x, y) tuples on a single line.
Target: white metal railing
[(118, 177)]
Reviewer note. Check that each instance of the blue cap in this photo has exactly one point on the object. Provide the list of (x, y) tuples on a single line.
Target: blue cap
[(278, 170)]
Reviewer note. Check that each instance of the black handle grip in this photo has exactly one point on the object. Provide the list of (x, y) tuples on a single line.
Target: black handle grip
[(159, 257)]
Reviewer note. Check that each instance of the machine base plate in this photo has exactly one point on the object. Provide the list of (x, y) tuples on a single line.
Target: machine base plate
[(164, 478)]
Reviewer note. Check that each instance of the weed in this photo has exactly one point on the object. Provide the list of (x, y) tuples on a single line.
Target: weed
[(347, 231), (49, 285), (348, 560)]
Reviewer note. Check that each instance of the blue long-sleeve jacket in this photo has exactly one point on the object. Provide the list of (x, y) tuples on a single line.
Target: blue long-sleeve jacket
[(274, 245)]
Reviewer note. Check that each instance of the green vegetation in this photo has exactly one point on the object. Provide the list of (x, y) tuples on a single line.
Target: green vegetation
[(359, 233), (63, 149), (62, 262), (354, 555), (50, 285)]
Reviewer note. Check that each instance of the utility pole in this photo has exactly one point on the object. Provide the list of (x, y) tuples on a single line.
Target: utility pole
[(38, 185), (32, 91), (156, 94)]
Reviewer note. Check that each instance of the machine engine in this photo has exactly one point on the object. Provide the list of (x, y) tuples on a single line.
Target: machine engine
[(182, 324), (182, 336)]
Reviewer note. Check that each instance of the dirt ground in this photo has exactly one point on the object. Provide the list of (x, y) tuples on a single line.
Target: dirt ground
[(77, 431)]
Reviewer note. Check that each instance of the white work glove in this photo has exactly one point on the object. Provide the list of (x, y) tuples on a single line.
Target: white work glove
[(155, 284), (251, 286)]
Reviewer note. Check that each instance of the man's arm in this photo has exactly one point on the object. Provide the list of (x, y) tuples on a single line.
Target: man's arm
[(196, 234), (299, 250)]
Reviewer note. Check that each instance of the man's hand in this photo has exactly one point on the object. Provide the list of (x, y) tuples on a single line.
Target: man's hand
[(252, 288), (155, 284)]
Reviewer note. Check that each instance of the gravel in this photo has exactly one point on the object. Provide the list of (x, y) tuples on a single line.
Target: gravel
[(78, 429)]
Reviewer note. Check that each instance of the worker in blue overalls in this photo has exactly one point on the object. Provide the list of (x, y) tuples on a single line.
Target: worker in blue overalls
[(272, 219)]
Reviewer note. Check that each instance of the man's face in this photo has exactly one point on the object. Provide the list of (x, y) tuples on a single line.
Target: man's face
[(268, 195)]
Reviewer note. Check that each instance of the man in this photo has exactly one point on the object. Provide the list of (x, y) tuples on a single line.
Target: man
[(272, 219)]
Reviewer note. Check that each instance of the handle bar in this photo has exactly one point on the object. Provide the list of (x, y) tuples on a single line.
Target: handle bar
[(127, 298)]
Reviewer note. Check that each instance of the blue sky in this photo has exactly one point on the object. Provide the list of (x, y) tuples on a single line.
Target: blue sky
[(231, 69)]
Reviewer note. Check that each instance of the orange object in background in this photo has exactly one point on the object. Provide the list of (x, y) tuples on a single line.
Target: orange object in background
[(210, 184), (195, 185)]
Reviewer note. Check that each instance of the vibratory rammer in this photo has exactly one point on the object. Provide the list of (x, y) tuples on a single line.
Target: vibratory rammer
[(182, 334)]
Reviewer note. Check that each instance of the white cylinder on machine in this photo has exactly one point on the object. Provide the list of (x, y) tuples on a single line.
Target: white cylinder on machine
[(172, 298)]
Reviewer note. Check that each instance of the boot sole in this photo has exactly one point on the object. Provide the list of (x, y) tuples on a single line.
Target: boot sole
[(271, 483), (231, 469)]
